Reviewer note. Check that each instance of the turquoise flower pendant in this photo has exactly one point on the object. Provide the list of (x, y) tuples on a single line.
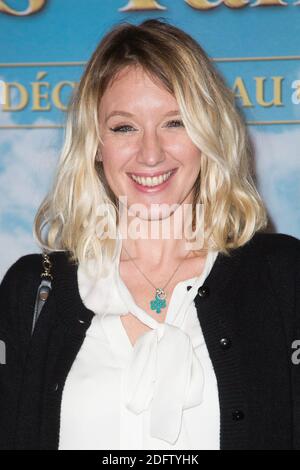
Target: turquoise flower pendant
[(159, 302)]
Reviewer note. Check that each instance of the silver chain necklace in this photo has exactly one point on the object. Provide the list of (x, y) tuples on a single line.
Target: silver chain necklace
[(160, 300)]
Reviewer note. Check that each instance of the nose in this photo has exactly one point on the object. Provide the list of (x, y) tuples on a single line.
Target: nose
[(150, 152)]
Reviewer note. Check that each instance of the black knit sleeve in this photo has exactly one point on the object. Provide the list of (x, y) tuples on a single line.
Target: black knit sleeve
[(296, 353), (285, 269), (17, 291), (10, 363)]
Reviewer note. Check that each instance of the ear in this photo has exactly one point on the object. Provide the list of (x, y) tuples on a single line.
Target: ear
[(98, 156)]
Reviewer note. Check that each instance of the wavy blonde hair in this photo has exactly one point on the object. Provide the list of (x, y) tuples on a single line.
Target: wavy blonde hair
[(234, 210)]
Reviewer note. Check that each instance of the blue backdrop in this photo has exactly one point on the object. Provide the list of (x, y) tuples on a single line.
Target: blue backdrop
[(45, 44)]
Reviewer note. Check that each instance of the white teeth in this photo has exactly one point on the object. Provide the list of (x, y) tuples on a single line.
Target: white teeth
[(151, 181)]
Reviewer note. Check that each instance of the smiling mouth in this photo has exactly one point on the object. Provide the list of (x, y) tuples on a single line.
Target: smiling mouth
[(152, 181)]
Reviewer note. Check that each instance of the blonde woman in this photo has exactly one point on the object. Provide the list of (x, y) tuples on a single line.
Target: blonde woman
[(147, 341)]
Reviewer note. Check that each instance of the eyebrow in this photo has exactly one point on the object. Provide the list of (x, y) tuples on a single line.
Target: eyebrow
[(125, 113)]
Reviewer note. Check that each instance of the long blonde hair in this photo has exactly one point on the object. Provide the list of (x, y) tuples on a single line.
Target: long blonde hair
[(234, 210)]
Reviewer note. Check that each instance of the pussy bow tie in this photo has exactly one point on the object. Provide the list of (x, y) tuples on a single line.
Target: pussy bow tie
[(164, 374)]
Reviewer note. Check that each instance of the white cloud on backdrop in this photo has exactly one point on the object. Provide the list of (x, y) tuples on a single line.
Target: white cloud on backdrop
[(277, 158), (27, 162)]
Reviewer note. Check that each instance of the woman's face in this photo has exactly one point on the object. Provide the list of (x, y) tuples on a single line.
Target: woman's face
[(146, 152)]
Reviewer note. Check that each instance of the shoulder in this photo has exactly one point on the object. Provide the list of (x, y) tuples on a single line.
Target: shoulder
[(275, 255), (278, 241), (29, 267), (19, 286), (21, 268), (280, 246)]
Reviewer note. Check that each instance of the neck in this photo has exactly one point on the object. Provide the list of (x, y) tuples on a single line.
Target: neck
[(156, 242)]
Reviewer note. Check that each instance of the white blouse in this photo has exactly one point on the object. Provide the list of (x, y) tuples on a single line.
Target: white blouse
[(160, 393)]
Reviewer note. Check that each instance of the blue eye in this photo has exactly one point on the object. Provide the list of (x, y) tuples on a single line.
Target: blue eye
[(119, 128), (177, 122)]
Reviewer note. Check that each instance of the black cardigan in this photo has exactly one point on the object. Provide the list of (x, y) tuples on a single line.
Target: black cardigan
[(249, 311)]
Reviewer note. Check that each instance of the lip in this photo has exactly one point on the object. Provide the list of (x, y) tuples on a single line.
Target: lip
[(152, 189), (151, 174)]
